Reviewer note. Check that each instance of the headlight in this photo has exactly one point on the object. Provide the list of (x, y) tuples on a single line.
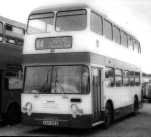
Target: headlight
[(76, 110), (27, 108), (24, 109)]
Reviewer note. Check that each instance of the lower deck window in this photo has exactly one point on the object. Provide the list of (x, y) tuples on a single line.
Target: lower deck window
[(137, 78), (14, 80), (125, 78), (109, 77), (118, 77), (131, 76)]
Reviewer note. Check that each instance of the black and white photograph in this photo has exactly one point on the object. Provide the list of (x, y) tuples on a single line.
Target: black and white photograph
[(75, 68)]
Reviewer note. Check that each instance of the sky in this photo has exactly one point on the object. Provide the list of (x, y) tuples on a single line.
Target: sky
[(133, 15)]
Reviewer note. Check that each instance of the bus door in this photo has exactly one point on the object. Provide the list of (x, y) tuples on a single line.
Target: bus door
[(96, 94)]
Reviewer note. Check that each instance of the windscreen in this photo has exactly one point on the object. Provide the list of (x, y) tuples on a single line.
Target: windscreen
[(71, 20), (40, 23), (57, 79)]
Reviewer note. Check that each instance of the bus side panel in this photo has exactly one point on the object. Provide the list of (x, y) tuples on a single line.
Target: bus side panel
[(136, 91), (122, 101)]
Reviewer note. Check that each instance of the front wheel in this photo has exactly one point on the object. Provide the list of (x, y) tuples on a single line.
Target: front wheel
[(108, 115), (135, 106), (13, 115)]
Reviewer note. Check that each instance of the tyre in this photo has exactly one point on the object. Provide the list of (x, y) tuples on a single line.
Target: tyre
[(108, 115), (13, 115), (135, 106)]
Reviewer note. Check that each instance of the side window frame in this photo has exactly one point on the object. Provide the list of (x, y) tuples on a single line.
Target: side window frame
[(136, 45), (101, 24), (109, 81), (119, 76), (139, 48), (130, 43), (137, 74), (126, 76), (106, 32), (132, 78), (115, 36), (123, 42)]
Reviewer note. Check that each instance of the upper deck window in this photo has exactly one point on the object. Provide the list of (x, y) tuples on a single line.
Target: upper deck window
[(96, 23), (71, 20), (124, 39), (130, 42), (116, 34), (107, 29), (136, 46), (139, 48), (40, 23)]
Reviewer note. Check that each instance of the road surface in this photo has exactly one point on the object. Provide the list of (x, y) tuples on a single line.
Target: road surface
[(130, 126)]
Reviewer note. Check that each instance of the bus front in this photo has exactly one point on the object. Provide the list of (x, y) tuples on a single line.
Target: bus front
[(56, 74)]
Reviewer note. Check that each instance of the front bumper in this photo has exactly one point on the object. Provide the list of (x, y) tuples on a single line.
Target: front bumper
[(58, 120)]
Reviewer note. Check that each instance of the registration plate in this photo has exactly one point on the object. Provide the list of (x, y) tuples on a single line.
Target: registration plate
[(50, 122)]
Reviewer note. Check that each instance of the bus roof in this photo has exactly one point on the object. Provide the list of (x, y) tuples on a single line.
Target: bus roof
[(12, 22), (44, 9)]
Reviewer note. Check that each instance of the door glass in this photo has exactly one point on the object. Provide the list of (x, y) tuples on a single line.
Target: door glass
[(96, 75)]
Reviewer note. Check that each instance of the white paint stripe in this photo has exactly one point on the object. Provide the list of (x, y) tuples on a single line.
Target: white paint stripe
[(97, 123)]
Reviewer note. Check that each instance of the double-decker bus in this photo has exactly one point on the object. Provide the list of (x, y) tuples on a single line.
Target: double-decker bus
[(80, 69), (11, 43)]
